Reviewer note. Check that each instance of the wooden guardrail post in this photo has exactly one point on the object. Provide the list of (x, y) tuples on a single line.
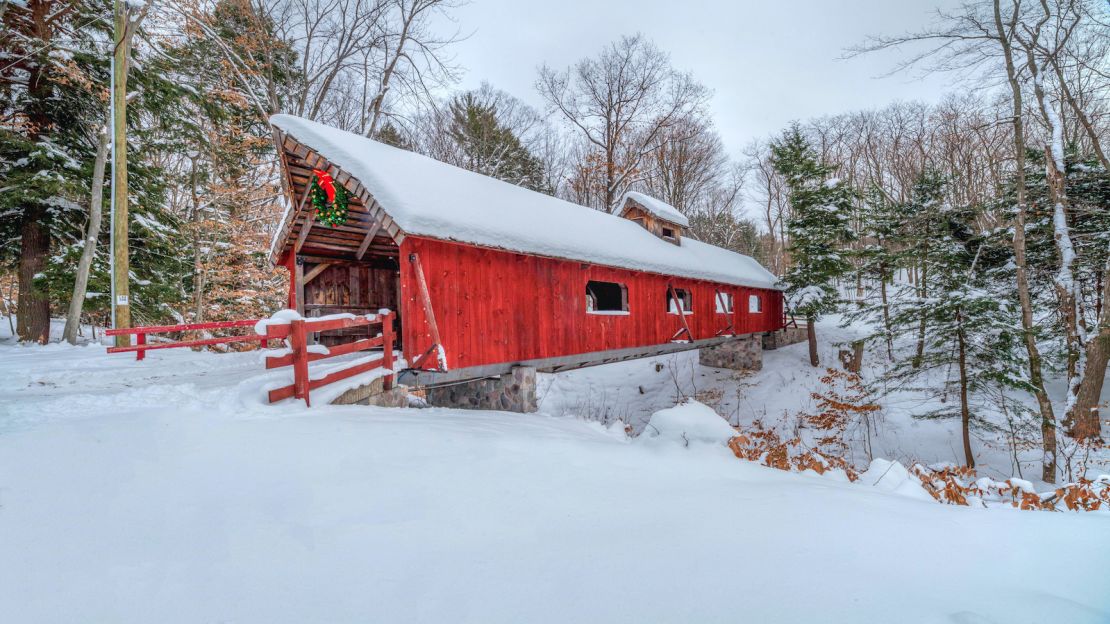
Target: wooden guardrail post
[(140, 340), (387, 350), (299, 343)]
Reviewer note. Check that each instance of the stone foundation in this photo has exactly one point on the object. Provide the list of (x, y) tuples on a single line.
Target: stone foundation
[(785, 336), (373, 394), (512, 392), (743, 353)]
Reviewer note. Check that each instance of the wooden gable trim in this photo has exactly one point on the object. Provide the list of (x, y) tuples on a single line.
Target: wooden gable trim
[(367, 221)]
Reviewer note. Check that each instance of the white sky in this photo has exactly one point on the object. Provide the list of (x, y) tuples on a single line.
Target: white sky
[(767, 62)]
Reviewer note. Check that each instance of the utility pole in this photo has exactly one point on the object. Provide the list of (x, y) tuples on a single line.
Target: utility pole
[(128, 14)]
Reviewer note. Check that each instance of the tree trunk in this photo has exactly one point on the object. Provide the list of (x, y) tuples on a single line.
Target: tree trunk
[(965, 410), (811, 333), (33, 308), (1036, 379), (387, 75), (121, 272), (886, 320), (1066, 292), (1086, 423), (199, 273), (81, 281), (922, 288)]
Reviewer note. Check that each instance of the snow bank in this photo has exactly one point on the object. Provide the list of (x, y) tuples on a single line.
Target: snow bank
[(436, 200), (688, 422), (133, 487), (893, 477)]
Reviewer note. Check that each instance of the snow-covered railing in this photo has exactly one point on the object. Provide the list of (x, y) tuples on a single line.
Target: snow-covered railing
[(295, 330), (141, 347)]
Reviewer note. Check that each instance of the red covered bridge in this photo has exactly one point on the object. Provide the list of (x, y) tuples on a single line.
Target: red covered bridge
[(486, 275)]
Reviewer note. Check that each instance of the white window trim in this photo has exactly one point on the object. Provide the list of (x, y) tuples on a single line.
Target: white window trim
[(718, 301), (609, 312), (671, 307), (759, 300)]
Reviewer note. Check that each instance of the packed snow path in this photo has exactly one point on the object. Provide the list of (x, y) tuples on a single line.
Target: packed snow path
[(165, 497)]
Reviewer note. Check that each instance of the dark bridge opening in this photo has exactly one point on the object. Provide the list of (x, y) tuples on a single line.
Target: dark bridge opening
[(606, 297)]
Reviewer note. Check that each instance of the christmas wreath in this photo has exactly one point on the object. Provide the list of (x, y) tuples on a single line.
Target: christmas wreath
[(328, 198)]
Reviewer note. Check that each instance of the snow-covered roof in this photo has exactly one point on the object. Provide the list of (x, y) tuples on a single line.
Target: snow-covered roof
[(432, 199), (657, 207)]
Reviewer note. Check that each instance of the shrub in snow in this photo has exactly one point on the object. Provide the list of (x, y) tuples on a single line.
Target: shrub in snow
[(845, 404), (767, 447), (958, 485), (688, 422)]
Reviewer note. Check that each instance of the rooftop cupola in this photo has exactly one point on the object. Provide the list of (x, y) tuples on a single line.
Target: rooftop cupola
[(657, 217)]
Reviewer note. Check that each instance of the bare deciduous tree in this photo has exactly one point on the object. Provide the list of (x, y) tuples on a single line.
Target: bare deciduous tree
[(621, 103)]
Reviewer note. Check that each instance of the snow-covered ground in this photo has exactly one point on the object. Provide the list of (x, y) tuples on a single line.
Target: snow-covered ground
[(159, 491), (631, 391)]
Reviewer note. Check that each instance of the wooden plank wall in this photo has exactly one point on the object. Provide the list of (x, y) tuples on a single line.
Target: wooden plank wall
[(495, 306), (358, 288)]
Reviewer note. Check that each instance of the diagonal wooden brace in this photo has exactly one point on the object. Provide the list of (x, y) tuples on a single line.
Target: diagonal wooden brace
[(429, 314), (681, 314)]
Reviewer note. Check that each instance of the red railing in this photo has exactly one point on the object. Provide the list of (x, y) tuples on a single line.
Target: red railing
[(141, 347), (297, 332)]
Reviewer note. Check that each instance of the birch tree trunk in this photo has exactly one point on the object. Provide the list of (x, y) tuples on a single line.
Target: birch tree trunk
[(92, 233)]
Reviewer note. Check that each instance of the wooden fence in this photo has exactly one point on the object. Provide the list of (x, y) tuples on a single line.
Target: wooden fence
[(300, 355), (141, 346), (296, 332)]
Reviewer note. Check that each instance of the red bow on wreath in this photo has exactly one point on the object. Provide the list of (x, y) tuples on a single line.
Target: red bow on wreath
[(329, 200), (324, 180)]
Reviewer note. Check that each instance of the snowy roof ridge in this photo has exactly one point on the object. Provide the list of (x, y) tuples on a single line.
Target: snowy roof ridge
[(657, 207), (431, 199)]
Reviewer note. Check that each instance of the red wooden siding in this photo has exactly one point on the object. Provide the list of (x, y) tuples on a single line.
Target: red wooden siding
[(496, 306)]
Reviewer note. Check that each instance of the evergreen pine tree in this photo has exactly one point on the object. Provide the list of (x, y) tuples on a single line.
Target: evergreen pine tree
[(222, 143), (925, 223), (967, 315), (50, 95), (57, 91), (817, 229), (391, 135), (879, 255), (485, 145)]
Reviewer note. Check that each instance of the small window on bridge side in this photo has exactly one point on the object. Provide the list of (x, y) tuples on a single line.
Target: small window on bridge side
[(606, 298), (724, 303), (755, 304), (684, 300)]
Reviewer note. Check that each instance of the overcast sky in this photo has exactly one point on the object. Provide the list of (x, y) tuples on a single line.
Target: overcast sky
[(767, 62)]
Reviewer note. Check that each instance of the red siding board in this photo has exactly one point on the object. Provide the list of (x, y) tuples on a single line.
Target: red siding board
[(496, 306)]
